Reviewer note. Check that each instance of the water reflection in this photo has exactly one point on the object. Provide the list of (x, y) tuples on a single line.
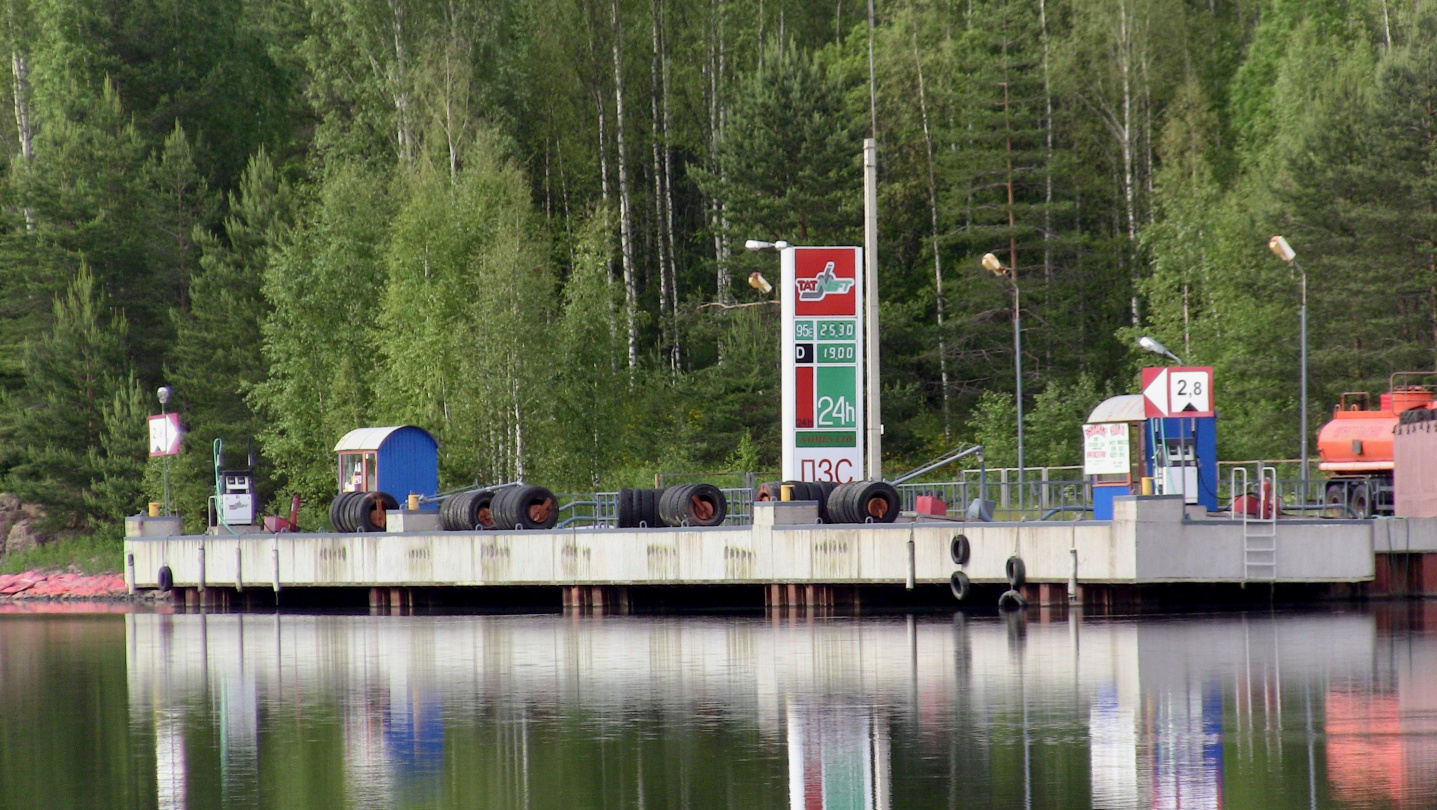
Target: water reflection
[(519, 712)]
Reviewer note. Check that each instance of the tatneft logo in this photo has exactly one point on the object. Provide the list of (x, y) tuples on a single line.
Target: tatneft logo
[(815, 289)]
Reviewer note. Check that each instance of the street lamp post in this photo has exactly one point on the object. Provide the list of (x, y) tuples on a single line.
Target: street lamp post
[(164, 396), (1284, 251), (992, 265)]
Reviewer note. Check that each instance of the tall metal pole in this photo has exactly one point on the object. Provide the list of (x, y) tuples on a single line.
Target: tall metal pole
[(1018, 368), (166, 466), (1302, 417), (870, 327)]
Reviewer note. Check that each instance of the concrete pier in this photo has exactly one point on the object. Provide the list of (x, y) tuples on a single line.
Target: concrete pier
[(797, 561)]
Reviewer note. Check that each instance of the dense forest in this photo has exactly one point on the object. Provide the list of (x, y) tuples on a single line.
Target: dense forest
[(519, 223)]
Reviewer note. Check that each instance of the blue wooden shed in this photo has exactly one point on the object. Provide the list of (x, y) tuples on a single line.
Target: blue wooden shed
[(402, 460)]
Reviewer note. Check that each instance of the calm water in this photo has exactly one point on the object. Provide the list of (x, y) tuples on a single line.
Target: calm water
[(1262, 711)]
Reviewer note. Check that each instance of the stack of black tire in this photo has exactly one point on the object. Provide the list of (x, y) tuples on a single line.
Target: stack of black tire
[(467, 511), (683, 505), (360, 511), (516, 507), (854, 502)]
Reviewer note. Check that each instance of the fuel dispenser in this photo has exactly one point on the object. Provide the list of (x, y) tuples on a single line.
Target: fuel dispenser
[(1122, 447), (233, 506), (1183, 458)]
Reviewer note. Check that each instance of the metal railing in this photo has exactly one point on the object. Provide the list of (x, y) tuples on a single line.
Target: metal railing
[(601, 509), (1060, 493)]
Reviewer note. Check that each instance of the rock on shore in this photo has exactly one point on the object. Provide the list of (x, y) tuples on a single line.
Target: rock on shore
[(38, 585)]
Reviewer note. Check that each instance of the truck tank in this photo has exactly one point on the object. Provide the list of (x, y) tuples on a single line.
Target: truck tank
[(1355, 447)]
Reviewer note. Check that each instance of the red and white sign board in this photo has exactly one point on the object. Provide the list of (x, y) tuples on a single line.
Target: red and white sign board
[(165, 435), (1177, 391), (822, 340)]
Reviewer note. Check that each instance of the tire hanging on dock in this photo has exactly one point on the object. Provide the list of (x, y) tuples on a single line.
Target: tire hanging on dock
[(959, 584), (960, 549), (1016, 571)]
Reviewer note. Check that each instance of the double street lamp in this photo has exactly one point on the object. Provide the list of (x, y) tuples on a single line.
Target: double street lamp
[(994, 266)]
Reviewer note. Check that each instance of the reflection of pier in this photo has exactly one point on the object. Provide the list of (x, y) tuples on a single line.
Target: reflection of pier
[(846, 704)]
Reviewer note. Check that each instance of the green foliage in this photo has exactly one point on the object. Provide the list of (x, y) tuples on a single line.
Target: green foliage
[(309, 217), (75, 432)]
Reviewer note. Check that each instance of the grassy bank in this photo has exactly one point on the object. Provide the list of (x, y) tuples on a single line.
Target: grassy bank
[(101, 552)]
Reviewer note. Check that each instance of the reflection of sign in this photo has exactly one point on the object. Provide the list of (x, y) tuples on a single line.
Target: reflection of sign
[(1105, 449), (165, 435), (822, 364), (1177, 391)]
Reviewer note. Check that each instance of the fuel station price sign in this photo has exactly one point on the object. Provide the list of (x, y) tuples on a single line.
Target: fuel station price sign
[(822, 340)]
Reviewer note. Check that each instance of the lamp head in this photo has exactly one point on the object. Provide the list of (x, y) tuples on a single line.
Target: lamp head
[(992, 265), (164, 394), (759, 244), (1156, 347), (1281, 248)]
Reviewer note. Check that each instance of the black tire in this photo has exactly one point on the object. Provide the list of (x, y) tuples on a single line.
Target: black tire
[(960, 549), (166, 578), (824, 491), (624, 513), (372, 508), (354, 512), (525, 507), (839, 510), (1012, 600), (706, 506), (769, 491), (450, 513), (446, 507), (959, 585), (481, 510), (693, 505), (339, 514), (876, 501), (1017, 572), (651, 508), (671, 505)]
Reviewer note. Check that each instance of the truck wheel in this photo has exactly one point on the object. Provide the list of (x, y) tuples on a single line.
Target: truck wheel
[(1361, 501), (1336, 501)]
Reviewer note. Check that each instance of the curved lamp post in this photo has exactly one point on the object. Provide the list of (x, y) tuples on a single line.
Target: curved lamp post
[(994, 266)]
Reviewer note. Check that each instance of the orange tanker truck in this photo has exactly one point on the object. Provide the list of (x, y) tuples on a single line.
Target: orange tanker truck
[(1355, 448)]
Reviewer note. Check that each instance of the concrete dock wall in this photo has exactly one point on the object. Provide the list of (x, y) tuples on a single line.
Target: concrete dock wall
[(1150, 540)]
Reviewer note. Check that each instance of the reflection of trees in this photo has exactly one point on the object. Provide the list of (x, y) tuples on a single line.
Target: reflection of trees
[(513, 712)]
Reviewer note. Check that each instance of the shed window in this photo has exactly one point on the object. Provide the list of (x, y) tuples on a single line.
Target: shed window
[(357, 472)]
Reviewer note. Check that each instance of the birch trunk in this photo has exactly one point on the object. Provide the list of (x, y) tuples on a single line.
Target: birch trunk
[(24, 126), (626, 219), (658, 207), (933, 218)]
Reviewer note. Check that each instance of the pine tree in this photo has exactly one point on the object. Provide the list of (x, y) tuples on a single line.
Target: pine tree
[(65, 430)]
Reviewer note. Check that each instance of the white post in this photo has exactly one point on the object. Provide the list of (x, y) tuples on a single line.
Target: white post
[(870, 283)]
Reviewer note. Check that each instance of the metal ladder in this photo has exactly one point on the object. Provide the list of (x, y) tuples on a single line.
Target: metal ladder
[(1259, 534)]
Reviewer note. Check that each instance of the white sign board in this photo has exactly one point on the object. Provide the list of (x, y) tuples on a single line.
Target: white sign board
[(822, 344), (165, 435), (1106, 449), (1177, 391)]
